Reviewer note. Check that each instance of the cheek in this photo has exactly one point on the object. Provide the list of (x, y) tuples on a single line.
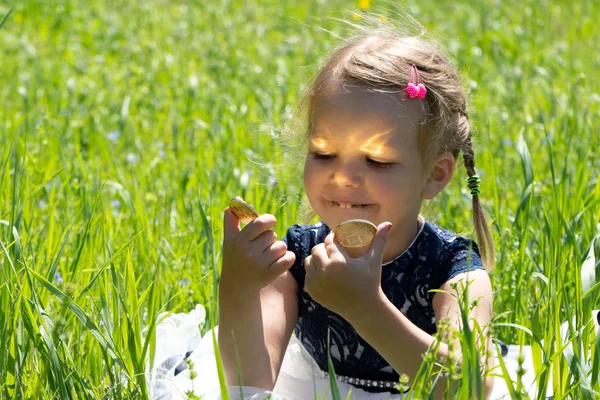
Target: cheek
[(310, 176), (393, 188), (314, 169), (387, 183)]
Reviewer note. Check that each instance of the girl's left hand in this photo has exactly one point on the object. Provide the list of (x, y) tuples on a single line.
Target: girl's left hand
[(347, 286)]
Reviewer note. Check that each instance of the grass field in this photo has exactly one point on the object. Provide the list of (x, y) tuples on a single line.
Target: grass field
[(126, 126)]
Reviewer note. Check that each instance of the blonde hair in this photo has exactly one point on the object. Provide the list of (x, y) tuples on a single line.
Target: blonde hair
[(381, 60)]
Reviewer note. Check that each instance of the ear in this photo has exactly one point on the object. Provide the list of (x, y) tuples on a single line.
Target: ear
[(440, 174)]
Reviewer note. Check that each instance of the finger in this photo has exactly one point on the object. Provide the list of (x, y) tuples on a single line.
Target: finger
[(282, 264), (274, 252), (263, 242), (307, 265), (258, 226), (309, 269), (329, 238), (307, 283), (334, 249), (377, 246), (319, 254), (231, 224)]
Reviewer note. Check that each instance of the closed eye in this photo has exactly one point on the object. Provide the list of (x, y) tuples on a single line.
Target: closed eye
[(378, 164), (371, 162), (318, 156)]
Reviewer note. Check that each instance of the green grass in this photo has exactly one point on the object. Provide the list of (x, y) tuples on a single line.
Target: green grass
[(125, 127)]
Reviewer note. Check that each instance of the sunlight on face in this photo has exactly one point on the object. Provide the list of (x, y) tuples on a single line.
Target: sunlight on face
[(318, 143), (375, 145)]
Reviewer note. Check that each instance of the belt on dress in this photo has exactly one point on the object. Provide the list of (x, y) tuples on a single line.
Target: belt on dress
[(365, 382)]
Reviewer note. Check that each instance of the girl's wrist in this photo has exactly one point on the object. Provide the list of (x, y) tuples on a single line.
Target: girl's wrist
[(364, 314)]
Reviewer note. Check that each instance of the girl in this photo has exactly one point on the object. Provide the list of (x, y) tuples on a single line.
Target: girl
[(387, 121)]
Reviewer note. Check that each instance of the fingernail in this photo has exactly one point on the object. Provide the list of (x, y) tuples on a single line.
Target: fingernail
[(388, 227)]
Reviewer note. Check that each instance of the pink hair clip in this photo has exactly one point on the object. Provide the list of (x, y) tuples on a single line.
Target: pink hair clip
[(415, 88)]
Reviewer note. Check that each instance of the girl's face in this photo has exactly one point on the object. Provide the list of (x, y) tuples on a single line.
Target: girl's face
[(364, 162)]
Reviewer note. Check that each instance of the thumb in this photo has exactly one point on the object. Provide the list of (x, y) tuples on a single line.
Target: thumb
[(378, 244), (231, 224)]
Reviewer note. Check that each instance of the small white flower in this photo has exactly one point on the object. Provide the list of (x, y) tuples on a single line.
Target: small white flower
[(454, 46), (201, 123), (476, 51), (125, 107), (244, 179), (22, 91), (42, 204), (70, 83), (518, 71), (183, 282), (124, 380), (193, 82), (113, 136), (132, 158)]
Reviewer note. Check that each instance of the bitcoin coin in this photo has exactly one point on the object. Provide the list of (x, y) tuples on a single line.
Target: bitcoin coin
[(244, 211), (355, 233)]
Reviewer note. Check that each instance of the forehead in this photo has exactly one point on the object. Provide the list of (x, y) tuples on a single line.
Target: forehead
[(360, 115)]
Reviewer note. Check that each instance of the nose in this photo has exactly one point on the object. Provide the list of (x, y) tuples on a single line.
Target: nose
[(346, 175)]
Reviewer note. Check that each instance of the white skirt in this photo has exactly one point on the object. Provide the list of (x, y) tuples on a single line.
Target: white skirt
[(300, 378)]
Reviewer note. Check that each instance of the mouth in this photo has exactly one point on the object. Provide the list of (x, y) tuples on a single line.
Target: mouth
[(346, 205)]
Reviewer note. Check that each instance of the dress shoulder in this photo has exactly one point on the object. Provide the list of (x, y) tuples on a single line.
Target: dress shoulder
[(457, 255)]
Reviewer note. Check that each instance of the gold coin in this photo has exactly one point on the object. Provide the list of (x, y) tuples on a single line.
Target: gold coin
[(244, 211), (355, 233)]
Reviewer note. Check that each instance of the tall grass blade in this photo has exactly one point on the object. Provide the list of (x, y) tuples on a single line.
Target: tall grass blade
[(6, 16), (83, 318), (335, 391), (220, 370)]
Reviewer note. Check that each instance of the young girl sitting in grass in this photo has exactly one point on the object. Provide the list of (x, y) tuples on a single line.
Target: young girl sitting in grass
[(387, 121)]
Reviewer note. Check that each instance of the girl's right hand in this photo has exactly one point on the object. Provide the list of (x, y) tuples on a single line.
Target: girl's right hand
[(252, 257)]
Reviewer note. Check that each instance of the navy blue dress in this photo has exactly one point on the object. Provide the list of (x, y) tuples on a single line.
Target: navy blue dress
[(435, 256)]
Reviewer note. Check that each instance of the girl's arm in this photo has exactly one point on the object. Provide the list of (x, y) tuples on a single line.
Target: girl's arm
[(446, 306), (263, 323), (403, 344), (255, 288)]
